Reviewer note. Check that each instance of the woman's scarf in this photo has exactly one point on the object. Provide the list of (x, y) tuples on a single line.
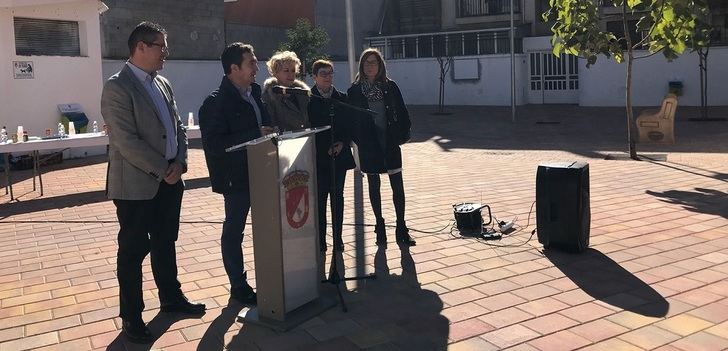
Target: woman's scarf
[(373, 92)]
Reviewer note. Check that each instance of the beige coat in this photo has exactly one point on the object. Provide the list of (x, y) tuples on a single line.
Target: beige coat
[(136, 137), (282, 110)]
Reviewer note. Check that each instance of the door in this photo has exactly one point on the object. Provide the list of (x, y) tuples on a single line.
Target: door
[(552, 79)]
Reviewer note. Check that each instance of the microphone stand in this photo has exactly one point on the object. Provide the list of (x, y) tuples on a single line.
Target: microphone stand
[(334, 277)]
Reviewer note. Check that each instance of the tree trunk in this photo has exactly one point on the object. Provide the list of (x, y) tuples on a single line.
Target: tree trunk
[(441, 94), (703, 54), (630, 61)]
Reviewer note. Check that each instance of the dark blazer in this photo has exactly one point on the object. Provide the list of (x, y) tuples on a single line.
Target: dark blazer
[(227, 120), (319, 114), (137, 138), (372, 159)]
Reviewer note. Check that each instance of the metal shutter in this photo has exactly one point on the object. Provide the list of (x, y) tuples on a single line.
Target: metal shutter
[(43, 37)]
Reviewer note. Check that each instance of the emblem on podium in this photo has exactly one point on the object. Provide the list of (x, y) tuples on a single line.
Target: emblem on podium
[(295, 184)]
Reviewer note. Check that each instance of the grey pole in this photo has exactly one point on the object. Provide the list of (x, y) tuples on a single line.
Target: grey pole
[(513, 68), (350, 40)]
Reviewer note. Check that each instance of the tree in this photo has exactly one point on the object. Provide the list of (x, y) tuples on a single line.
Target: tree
[(445, 63), (667, 26), (306, 41)]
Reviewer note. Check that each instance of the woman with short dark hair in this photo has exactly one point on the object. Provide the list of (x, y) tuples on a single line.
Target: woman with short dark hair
[(333, 154)]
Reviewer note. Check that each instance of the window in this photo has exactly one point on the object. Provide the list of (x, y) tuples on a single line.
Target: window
[(42, 37), (469, 8), (424, 46), (470, 43)]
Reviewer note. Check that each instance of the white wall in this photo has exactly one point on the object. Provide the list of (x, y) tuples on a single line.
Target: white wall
[(419, 81), (32, 102), (603, 84), (191, 81)]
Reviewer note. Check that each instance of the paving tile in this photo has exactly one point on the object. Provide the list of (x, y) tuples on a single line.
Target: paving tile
[(563, 340), (649, 337), (549, 323), (684, 324), (505, 317), (472, 344), (87, 330), (52, 325), (586, 312), (10, 333), (31, 342), (632, 320), (715, 312), (613, 345), (598, 330), (464, 311), (509, 336), (701, 341)]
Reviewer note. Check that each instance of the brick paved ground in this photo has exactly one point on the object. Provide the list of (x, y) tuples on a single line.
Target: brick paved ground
[(654, 278)]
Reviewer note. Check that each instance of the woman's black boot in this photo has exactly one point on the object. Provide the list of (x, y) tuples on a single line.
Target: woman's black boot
[(403, 236)]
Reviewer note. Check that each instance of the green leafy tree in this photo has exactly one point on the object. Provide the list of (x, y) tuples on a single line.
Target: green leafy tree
[(667, 26), (306, 41)]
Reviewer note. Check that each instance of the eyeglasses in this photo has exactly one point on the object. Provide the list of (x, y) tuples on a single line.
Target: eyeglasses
[(163, 47)]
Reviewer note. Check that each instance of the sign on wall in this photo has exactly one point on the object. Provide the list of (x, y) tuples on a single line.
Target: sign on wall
[(23, 69)]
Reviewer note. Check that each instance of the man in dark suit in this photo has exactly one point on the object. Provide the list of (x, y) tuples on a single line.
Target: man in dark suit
[(232, 115), (147, 157)]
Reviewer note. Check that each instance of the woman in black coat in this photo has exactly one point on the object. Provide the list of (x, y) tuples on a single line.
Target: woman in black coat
[(379, 136), (333, 154)]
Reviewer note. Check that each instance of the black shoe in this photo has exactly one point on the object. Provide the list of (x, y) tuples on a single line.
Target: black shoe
[(403, 236), (381, 231), (136, 332), (244, 295), (182, 305)]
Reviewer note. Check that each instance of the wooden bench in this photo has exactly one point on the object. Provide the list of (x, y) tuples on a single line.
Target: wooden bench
[(658, 126)]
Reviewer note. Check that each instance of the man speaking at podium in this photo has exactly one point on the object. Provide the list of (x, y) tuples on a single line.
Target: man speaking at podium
[(231, 115)]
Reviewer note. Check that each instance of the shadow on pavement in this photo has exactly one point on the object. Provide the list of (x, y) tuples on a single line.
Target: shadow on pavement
[(702, 200), (605, 280), (44, 203), (197, 183), (390, 313), (214, 337), (577, 129), (158, 326)]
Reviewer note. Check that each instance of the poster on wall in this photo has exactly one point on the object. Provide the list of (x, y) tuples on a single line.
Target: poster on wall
[(23, 69)]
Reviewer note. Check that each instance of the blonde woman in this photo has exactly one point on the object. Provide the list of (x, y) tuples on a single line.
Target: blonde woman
[(287, 112)]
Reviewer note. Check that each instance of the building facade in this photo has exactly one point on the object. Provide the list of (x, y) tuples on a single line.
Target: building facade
[(50, 55)]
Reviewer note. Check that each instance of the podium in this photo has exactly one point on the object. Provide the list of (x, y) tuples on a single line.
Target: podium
[(283, 197)]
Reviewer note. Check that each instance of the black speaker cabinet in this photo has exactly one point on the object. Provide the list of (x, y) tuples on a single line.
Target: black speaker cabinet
[(562, 205)]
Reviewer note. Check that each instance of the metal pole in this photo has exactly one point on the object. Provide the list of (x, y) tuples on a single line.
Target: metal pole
[(513, 68), (350, 39)]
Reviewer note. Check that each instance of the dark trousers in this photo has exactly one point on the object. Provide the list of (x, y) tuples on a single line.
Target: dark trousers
[(327, 188), (375, 196), (237, 206), (148, 227)]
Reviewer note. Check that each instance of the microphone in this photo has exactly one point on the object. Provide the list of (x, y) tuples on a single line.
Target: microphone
[(278, 89)]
